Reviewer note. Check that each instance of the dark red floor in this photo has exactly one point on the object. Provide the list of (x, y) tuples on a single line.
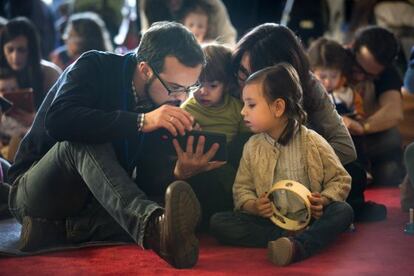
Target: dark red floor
[(379, 248)]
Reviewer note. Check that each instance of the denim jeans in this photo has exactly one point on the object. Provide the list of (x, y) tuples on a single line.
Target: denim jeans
[(84, 185), (242, 229)]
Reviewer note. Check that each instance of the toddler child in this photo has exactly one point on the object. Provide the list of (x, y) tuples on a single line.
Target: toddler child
[(282, 149)]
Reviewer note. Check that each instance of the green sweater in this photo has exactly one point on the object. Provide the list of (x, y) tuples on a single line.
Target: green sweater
[(224, 119)]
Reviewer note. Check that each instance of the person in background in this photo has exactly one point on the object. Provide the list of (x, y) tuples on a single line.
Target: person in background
[(374, 50), (330, 62), (20, 52), (407, 186), (196, 16), (283, 149), (219, 29), (84, 32)]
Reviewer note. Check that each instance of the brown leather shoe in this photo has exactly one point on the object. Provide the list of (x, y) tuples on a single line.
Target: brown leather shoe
[(171, 233), (40, 233), (284, 251)]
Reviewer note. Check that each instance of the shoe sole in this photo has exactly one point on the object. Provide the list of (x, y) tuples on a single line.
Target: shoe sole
[(280, 251), (24, 234), (183, 208)]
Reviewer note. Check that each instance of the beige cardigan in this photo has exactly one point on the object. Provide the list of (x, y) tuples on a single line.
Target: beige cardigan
[(255, 174)]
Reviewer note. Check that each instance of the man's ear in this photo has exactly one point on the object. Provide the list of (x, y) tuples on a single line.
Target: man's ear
[(145, 70), (278, 107)]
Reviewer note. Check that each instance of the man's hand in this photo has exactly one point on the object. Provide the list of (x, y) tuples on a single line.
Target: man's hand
[(354, 127), (174, 119), (317, 203), (190, 163)]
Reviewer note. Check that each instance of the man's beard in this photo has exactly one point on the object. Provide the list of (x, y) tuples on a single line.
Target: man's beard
[(147, 93)]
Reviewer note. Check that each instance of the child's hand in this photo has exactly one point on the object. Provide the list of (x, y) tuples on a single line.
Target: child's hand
[(263, 206), (317, 204)]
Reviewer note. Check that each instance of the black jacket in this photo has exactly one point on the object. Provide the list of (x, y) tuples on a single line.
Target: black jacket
[(91, 102)]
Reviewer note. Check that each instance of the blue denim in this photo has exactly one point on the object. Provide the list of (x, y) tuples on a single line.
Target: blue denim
[(242, 229), (85, 185)]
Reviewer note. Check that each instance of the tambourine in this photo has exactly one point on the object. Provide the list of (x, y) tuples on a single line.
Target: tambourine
[(299, 190)]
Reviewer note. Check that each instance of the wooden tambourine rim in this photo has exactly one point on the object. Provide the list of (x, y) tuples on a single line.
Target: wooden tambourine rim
[(299, 190)]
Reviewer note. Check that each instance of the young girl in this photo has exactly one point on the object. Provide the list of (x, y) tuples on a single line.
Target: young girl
[(283, 148), (215, 109)]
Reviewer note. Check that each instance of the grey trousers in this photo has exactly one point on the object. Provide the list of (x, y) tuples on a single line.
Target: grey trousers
[(84, 185)]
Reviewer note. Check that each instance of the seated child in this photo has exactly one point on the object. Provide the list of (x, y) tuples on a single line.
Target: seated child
[(213, 106), (283, 148), (216, 110), (331, 64), (195, 16)]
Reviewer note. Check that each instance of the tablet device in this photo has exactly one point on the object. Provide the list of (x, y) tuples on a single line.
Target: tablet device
[(21, 99), (211, 138)]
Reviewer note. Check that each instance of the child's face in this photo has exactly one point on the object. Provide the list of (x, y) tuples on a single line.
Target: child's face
[(16, 52), (8, 86), (330, 78), (210, 94), (198, 24), (257, 113)]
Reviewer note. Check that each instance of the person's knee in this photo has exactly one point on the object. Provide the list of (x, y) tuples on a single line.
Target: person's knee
[(409, 155), (219, 225), (343, 211)]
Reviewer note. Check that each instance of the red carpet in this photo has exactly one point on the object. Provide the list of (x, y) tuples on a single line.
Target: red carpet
[(379, 248)]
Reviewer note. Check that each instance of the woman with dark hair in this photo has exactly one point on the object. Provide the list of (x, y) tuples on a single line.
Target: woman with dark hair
[(20, 52), (84, 32), (269, 44)]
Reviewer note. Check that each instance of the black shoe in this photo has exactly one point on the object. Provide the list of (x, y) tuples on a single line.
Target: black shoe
[(40, 233), (370, 211), (171, 234)]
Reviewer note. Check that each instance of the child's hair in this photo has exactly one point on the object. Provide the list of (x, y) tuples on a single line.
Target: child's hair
[(218, 66), (326, 53), (195, 6), (281, 81)]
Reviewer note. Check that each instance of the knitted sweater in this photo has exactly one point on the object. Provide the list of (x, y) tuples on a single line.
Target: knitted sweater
[(257, 168)]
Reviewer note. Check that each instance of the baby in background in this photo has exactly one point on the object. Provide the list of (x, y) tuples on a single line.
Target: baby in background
[(331, 65)]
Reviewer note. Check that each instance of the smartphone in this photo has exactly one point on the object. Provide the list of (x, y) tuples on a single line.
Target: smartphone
[(22, 99), (211, 138), (5, 104)]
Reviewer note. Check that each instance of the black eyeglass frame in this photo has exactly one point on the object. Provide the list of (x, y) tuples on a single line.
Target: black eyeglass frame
[(187, 90)]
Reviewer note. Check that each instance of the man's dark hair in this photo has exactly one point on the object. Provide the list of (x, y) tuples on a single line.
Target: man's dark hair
[(164, 39), (381, 43)]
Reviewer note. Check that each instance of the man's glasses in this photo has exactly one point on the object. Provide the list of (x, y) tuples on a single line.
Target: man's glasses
[(178, 90)]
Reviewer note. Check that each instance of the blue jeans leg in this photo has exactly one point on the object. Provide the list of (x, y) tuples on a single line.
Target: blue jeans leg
[(241, 229), (336, 219), (61, 184)]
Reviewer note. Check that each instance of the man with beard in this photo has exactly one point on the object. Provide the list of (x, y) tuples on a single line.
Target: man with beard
[(71, 180)]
